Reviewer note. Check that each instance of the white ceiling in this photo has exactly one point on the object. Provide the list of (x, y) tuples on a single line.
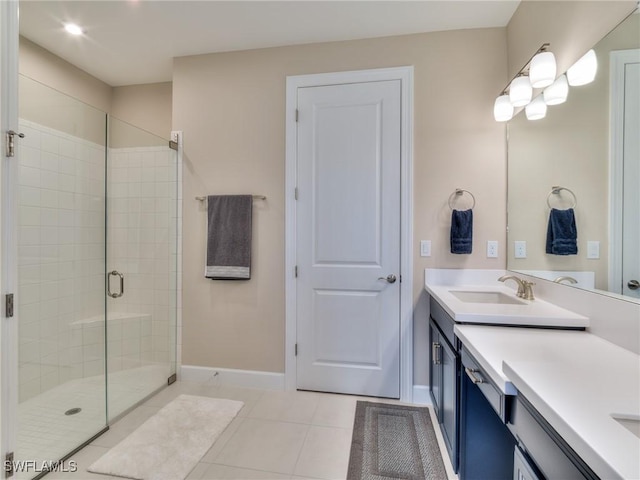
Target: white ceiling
[(132, 41)]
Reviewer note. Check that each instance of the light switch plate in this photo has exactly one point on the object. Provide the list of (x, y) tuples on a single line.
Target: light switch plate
[(492, 249), (425, 248), (520, 248), (593, 249)]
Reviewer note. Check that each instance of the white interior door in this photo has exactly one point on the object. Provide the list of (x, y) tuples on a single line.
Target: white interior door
[(348, 238), (631, 199)]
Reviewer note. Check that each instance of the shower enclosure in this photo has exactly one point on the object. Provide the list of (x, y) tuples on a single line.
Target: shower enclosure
[(97, 271)]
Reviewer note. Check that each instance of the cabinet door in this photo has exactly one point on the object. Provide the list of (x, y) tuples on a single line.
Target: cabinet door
[(449, 405), (435, 370)]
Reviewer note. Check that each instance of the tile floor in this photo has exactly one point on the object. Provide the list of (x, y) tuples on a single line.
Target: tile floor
[(276, 435)]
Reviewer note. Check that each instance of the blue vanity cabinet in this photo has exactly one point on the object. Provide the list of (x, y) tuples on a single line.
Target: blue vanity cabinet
[(444, 378), (543, 447), (486, 444)]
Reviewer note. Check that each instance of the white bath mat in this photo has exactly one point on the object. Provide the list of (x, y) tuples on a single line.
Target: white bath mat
[(169, 444)]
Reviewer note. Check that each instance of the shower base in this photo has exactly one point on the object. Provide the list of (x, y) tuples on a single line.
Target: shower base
[(45, 433)]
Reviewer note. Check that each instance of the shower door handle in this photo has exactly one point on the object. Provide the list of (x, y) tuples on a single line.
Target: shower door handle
[(118, 274)]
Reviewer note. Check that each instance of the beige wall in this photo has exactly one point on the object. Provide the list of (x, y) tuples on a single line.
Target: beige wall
[(231, 109), (146, 106), (571, 27), (49, 69)]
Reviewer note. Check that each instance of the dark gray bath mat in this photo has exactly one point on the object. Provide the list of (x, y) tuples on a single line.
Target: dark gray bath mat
[(394, 442)]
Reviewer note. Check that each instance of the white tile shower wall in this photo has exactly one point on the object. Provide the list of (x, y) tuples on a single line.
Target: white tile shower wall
[(142, 244), (61, 244)]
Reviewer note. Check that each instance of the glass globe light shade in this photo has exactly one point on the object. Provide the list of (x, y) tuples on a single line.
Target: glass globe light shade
[(557, 92), (542, 70), (537, 109), (520, 91), (502, 109)]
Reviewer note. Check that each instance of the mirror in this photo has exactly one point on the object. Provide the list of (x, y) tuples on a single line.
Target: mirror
[(588, 146)]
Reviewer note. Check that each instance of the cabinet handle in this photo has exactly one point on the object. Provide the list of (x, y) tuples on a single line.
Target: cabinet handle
[(470, 374), (435, 353)]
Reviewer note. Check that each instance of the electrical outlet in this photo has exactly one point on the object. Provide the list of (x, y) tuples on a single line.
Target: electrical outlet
[(425, 248), (492, 249), (520, 248), (593, 249)]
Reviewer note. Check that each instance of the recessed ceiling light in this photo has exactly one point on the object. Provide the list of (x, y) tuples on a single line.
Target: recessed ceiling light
[(73, 29)]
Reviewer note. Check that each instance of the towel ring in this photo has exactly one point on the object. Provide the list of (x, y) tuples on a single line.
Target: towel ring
[(555, 190), (460, 192)]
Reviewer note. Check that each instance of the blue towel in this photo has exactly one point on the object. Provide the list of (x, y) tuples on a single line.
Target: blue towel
[(562, 234), (461, 231)]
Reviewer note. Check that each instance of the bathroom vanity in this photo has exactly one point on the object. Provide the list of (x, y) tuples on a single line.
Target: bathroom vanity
[(531, 403)]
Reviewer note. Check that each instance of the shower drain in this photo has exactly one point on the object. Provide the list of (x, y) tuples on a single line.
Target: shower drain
[(73, 411)]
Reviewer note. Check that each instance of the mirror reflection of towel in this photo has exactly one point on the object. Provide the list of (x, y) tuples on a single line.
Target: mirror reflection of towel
[(562, 234), (461, 231)]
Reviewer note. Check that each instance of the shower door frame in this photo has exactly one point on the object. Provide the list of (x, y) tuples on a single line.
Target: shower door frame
[(9, 26)]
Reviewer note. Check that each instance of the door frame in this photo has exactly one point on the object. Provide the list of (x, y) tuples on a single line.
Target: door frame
[(617, 61), (405, 75), (8, 224)]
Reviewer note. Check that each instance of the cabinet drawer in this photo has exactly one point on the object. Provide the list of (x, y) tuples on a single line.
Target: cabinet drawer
[(444, 321), (548, 450), (477, 375)]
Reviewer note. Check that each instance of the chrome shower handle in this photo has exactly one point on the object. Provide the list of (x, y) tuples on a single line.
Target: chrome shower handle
[(115, 273)]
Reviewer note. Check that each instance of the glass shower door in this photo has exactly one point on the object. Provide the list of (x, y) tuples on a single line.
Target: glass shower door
[(141, 260), (61, 272)]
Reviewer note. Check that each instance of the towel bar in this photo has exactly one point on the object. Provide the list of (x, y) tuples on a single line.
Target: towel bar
[(255, 197)]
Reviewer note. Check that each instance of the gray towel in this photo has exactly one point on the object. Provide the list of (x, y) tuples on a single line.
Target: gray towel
[(229, 237)]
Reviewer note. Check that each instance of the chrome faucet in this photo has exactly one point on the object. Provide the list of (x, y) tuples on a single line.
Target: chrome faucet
[(525, 288), (566, 278)]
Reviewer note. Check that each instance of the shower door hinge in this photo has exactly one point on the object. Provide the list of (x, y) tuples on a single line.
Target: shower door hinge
[(296, 349), (173, 145), (296, 114), (172, 379), (295, 271), (11, 152), (295, 193), (8, 305), (8, 465)]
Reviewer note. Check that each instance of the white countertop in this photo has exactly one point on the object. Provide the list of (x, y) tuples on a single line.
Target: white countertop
[(537, 312), (576, 380)]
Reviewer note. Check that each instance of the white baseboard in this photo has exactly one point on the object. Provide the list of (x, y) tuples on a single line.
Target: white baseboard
[(421, 395), (232, 377)]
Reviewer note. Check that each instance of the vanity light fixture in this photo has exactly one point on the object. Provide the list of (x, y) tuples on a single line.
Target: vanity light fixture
[(557, 92), (502, 109), (73, 29), (537, 109), (542, 70), (584, 70), (520, 91)]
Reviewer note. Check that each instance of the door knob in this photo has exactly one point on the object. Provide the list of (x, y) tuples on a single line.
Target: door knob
[(391, 278), (633, 284)]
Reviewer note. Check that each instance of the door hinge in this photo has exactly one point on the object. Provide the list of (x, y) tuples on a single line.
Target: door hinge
[(296, 349), (400, 278), (11, 152), (295, 271), (172, 379), (295, 193), (8, 305), (8, 465), (297, 114)]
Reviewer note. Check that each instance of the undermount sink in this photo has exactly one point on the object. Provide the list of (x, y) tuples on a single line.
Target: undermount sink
[(630, 422), (486, 297)]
